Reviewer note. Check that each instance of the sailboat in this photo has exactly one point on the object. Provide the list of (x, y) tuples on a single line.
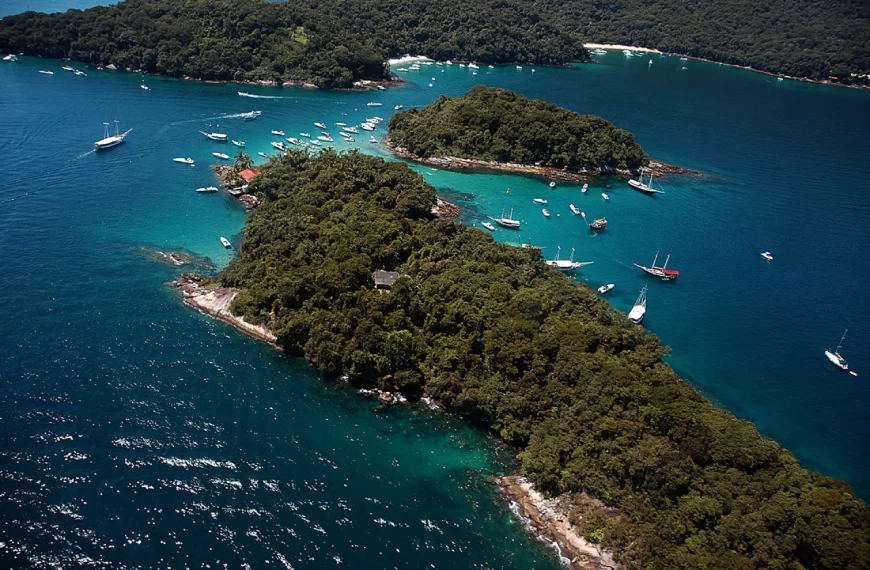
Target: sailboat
[(110, 141), (508, 222), (566, 265), (645, 188), (835, 357), (638, 311), (663, 271)]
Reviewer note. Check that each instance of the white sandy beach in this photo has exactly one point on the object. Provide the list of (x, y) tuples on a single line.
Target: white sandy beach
[(407, 59), (620, 47)]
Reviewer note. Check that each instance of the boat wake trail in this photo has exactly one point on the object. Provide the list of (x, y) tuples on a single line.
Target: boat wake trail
[(252, 96)]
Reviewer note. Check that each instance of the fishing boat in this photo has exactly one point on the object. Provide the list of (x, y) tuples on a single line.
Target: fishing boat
[(183, 160), (278, 133), (279, 145), (220, 137), (662, 272), (605, 288), (320, 125), (638, 311), (306, 135), (508, 222), (835, 357), (574, 209), (238, 143), (540, 200), (46, 72), (645, 188), (221, 155), (373, 140), (263, 154), (545, 212), (552, 183), (767, 255), (207, 189), (398, 107), (605, 196), (585, 188), (110, 141), (67, 68), (374, 103), (566, 265), (226, 242), (599, 224), (488, 226)]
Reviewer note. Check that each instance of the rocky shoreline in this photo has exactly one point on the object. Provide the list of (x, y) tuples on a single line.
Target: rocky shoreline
[(560, 174), (550, 520)]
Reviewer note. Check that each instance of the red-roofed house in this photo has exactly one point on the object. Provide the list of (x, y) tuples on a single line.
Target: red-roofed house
[(248, 174)]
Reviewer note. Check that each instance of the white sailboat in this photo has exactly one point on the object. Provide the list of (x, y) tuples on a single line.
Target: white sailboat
[(508, 222), (645, 188), (110, 141), (835, 357), (566, 265), (638, 312)]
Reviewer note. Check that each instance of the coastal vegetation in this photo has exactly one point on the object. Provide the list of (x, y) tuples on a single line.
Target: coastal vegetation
[(498, 125), (330, 43), (815, 39), (518, 348)]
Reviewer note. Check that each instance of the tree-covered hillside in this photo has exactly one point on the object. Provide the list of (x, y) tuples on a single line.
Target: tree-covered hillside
[(517, 347), (498, 125), (804, 38), (331, 43)]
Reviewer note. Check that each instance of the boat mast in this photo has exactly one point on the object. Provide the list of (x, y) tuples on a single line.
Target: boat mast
[(558, 250), (572, 255), (655, 259), (665, 266), (837, 352)]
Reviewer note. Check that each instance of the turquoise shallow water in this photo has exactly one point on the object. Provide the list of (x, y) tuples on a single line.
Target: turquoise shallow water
[(138, 433)]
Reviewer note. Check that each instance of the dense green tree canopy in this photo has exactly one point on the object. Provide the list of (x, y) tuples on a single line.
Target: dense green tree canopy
[(331, 43), (518, 348), (496, 124)]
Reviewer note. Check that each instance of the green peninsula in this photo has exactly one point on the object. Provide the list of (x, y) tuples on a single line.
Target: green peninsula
[(497, 125), (519, 349)]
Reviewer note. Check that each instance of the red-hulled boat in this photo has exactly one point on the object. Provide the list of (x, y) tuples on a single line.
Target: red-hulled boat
[(662, 272), (599, 224)]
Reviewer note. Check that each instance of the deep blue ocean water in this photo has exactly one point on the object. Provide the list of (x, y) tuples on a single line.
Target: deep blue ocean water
[(136, 432)]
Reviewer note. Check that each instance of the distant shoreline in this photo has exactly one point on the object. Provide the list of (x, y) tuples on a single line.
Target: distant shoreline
[(744, 67)]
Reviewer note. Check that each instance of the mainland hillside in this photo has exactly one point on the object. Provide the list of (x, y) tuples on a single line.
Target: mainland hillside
[(524, 351)]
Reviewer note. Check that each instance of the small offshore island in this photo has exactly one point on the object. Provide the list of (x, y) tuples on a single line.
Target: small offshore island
[(642, 469)]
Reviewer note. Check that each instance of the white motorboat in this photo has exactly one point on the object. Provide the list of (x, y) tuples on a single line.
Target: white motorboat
[(605, 196), (244, 94), (325, 139), (585, 188), (373, 140), (295, 141), (110, 141), (67, 68), (46, 72), (491, 67), (279, 145), (353, 130), (320, 125), (546, 212), (519, 68), (539, 200), (381, 88), (605, 288), (183, 160), (599, 51), (628, 53), (238, 143), (767, 255), (647, 187), (508, 222), (221, 155), (349, 139), (207, 189), (306, 135), (144, 87), (835, 357), (566, 264), (220, 137), (340, 124), (10, 57), (278, 133), (488, 226), (80, 72), (263, 154), (552, 183), (226, 242), (473, 66), (374, 104), (574, 209), (398, 107), (638, 311), (367, 127), (316, 143)]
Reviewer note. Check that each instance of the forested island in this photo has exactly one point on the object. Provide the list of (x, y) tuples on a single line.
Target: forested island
[(497, 125), (518, 348), (329, 43)]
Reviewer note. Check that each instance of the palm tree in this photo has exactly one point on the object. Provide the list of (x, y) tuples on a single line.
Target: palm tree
[(243, 161)]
